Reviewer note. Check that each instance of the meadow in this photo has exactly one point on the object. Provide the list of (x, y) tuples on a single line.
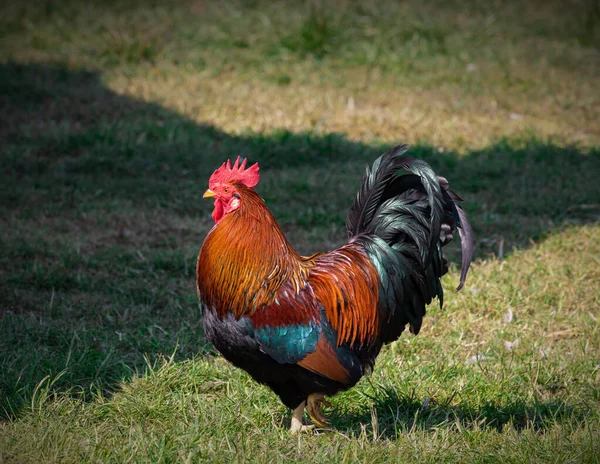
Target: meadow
[(114, 114)]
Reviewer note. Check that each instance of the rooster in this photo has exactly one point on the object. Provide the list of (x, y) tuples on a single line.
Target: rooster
[(309, 327)]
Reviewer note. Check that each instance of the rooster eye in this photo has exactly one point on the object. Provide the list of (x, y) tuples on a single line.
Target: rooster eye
[(226, 190)]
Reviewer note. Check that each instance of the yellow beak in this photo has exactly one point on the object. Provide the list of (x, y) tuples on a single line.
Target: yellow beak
[(208, 194)]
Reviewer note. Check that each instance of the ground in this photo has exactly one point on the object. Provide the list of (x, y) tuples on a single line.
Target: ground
[(114, 114)]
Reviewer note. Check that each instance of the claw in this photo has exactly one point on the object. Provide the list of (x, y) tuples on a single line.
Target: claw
[(315, 401), (313, 407)]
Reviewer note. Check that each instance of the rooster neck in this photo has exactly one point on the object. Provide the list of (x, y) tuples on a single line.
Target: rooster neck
[(246, 259)]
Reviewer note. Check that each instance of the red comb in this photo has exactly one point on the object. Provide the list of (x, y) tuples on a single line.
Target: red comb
[(227, 174)]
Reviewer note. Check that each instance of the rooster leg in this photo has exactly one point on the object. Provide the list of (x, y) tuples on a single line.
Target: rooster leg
[(314, 409), (297, 420)]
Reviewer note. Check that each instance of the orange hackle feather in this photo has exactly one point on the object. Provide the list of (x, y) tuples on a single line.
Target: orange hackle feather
[(246, 260), (346, 283)]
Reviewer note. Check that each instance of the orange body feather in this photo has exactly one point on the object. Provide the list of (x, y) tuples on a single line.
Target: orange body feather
[(246, 264)]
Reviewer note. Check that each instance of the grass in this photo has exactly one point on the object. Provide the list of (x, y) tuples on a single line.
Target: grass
[(113, 116)]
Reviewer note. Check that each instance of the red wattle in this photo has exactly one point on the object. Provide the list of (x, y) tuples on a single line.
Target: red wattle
[(219, 211)]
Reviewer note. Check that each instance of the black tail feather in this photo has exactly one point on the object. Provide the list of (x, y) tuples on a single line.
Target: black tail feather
[(467, 244), (404, 214)]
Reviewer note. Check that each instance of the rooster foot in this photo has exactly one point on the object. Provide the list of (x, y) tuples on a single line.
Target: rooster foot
[(314, 409), (297, 425)]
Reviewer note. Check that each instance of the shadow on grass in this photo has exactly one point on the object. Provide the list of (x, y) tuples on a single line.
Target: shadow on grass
[(394, 414), (76, 151)]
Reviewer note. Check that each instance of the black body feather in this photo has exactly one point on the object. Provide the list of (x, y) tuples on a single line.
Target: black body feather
[(235, 340)]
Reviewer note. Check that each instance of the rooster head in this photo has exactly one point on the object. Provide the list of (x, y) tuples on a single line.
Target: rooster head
[(224, 183)]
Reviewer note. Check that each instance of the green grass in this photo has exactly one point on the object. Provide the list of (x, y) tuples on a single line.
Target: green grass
[(112, 117)]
